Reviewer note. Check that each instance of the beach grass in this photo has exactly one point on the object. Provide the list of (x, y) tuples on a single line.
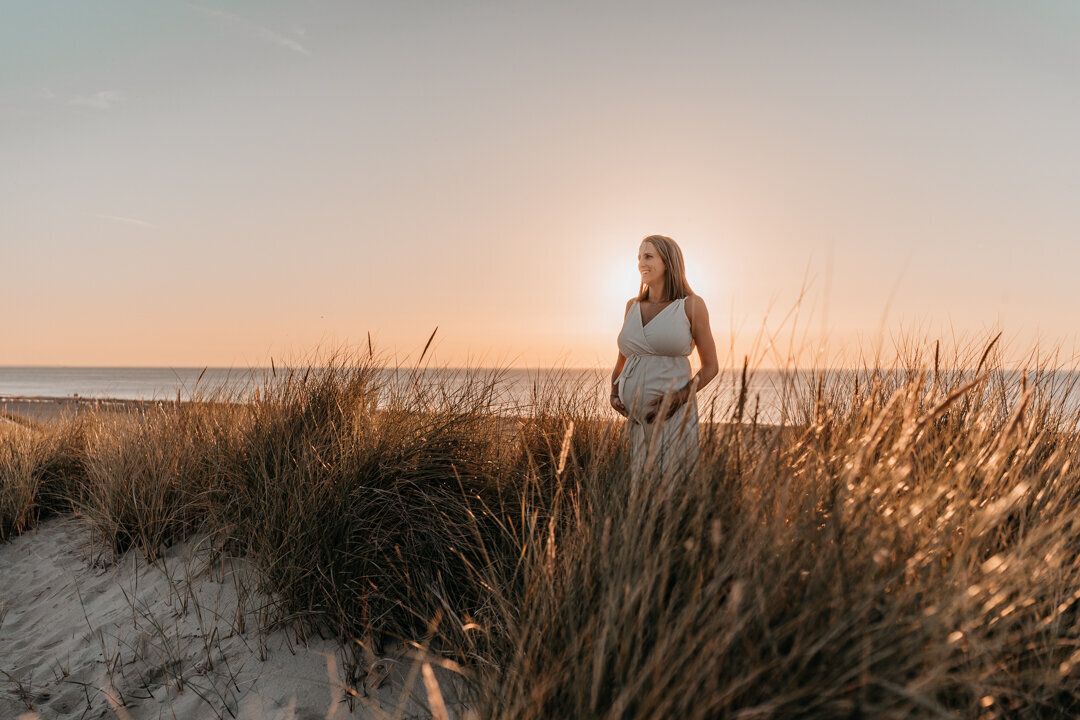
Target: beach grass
[(906, 546)]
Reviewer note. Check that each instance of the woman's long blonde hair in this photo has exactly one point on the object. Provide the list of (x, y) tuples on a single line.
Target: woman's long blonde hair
[(675, 285)]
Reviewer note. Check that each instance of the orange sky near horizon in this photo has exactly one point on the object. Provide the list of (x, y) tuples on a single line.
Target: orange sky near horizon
[(222, 184)]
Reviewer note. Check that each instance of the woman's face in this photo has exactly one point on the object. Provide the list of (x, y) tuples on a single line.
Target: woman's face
[(649, 264)]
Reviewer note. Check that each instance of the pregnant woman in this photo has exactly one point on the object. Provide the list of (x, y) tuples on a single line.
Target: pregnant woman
[(651, 384)]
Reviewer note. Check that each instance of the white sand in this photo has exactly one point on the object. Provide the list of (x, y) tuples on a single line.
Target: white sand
[(175, 639)]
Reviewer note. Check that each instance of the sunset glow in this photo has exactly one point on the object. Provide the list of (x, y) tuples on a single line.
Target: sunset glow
[(222, 184)]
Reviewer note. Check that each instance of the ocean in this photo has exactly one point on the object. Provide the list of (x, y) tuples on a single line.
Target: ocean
[(515, 389), (773, 395)]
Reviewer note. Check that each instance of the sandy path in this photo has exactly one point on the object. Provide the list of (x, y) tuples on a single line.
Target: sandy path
[(175, 639)]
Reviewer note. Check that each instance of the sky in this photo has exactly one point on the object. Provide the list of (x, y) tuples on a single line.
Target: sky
[(190, 184)]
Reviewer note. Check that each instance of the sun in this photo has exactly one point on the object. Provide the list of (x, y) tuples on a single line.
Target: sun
[(604, 281)]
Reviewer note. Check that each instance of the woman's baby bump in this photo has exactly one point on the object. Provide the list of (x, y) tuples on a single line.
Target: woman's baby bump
[(649, 377)]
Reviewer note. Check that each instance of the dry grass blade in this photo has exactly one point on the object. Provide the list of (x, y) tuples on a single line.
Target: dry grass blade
[(567, 437), (426, 346), (986, 354), (434, 694)]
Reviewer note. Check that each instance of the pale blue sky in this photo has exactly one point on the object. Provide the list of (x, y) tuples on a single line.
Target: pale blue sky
[(213, 183)]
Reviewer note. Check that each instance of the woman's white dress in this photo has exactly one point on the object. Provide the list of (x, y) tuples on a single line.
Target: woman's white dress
[(657, 361)]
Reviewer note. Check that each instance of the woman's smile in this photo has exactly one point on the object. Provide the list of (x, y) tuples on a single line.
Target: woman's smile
[(650, 265)]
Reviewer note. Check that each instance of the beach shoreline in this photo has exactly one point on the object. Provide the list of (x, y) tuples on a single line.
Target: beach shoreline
[(37, 409)]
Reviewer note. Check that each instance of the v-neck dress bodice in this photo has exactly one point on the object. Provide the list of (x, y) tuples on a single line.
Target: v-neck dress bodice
[(657, 361)]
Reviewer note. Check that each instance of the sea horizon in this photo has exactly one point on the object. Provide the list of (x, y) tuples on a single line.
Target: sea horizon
[(772, 395)]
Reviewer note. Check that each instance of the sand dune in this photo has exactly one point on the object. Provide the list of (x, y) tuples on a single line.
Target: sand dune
[(178, 638)]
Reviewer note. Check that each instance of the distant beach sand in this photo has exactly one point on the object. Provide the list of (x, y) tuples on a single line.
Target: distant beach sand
[(45, 409)]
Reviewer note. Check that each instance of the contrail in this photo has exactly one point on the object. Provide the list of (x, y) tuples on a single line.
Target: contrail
[(129, 221), (260, 30)]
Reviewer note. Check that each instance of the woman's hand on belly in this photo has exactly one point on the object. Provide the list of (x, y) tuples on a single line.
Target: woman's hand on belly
[(678, 399)]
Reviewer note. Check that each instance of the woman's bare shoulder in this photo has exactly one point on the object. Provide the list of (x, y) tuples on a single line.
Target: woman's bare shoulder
[(629, 304), (693, 304)]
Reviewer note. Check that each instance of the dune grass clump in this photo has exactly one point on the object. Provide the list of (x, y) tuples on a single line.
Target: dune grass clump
[(359, 514), (19, 481), (154, 475), (40, 472)]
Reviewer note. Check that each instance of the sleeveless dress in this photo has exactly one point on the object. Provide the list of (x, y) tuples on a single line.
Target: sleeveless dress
[(657, 361)]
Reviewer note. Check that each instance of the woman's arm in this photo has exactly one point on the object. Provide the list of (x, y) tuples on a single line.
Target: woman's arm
[(703, 339), (618, 369), (616, 403)]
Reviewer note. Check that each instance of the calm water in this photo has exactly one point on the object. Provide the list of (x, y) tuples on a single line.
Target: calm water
[(119, 382), (774, 394), (512, 388)]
